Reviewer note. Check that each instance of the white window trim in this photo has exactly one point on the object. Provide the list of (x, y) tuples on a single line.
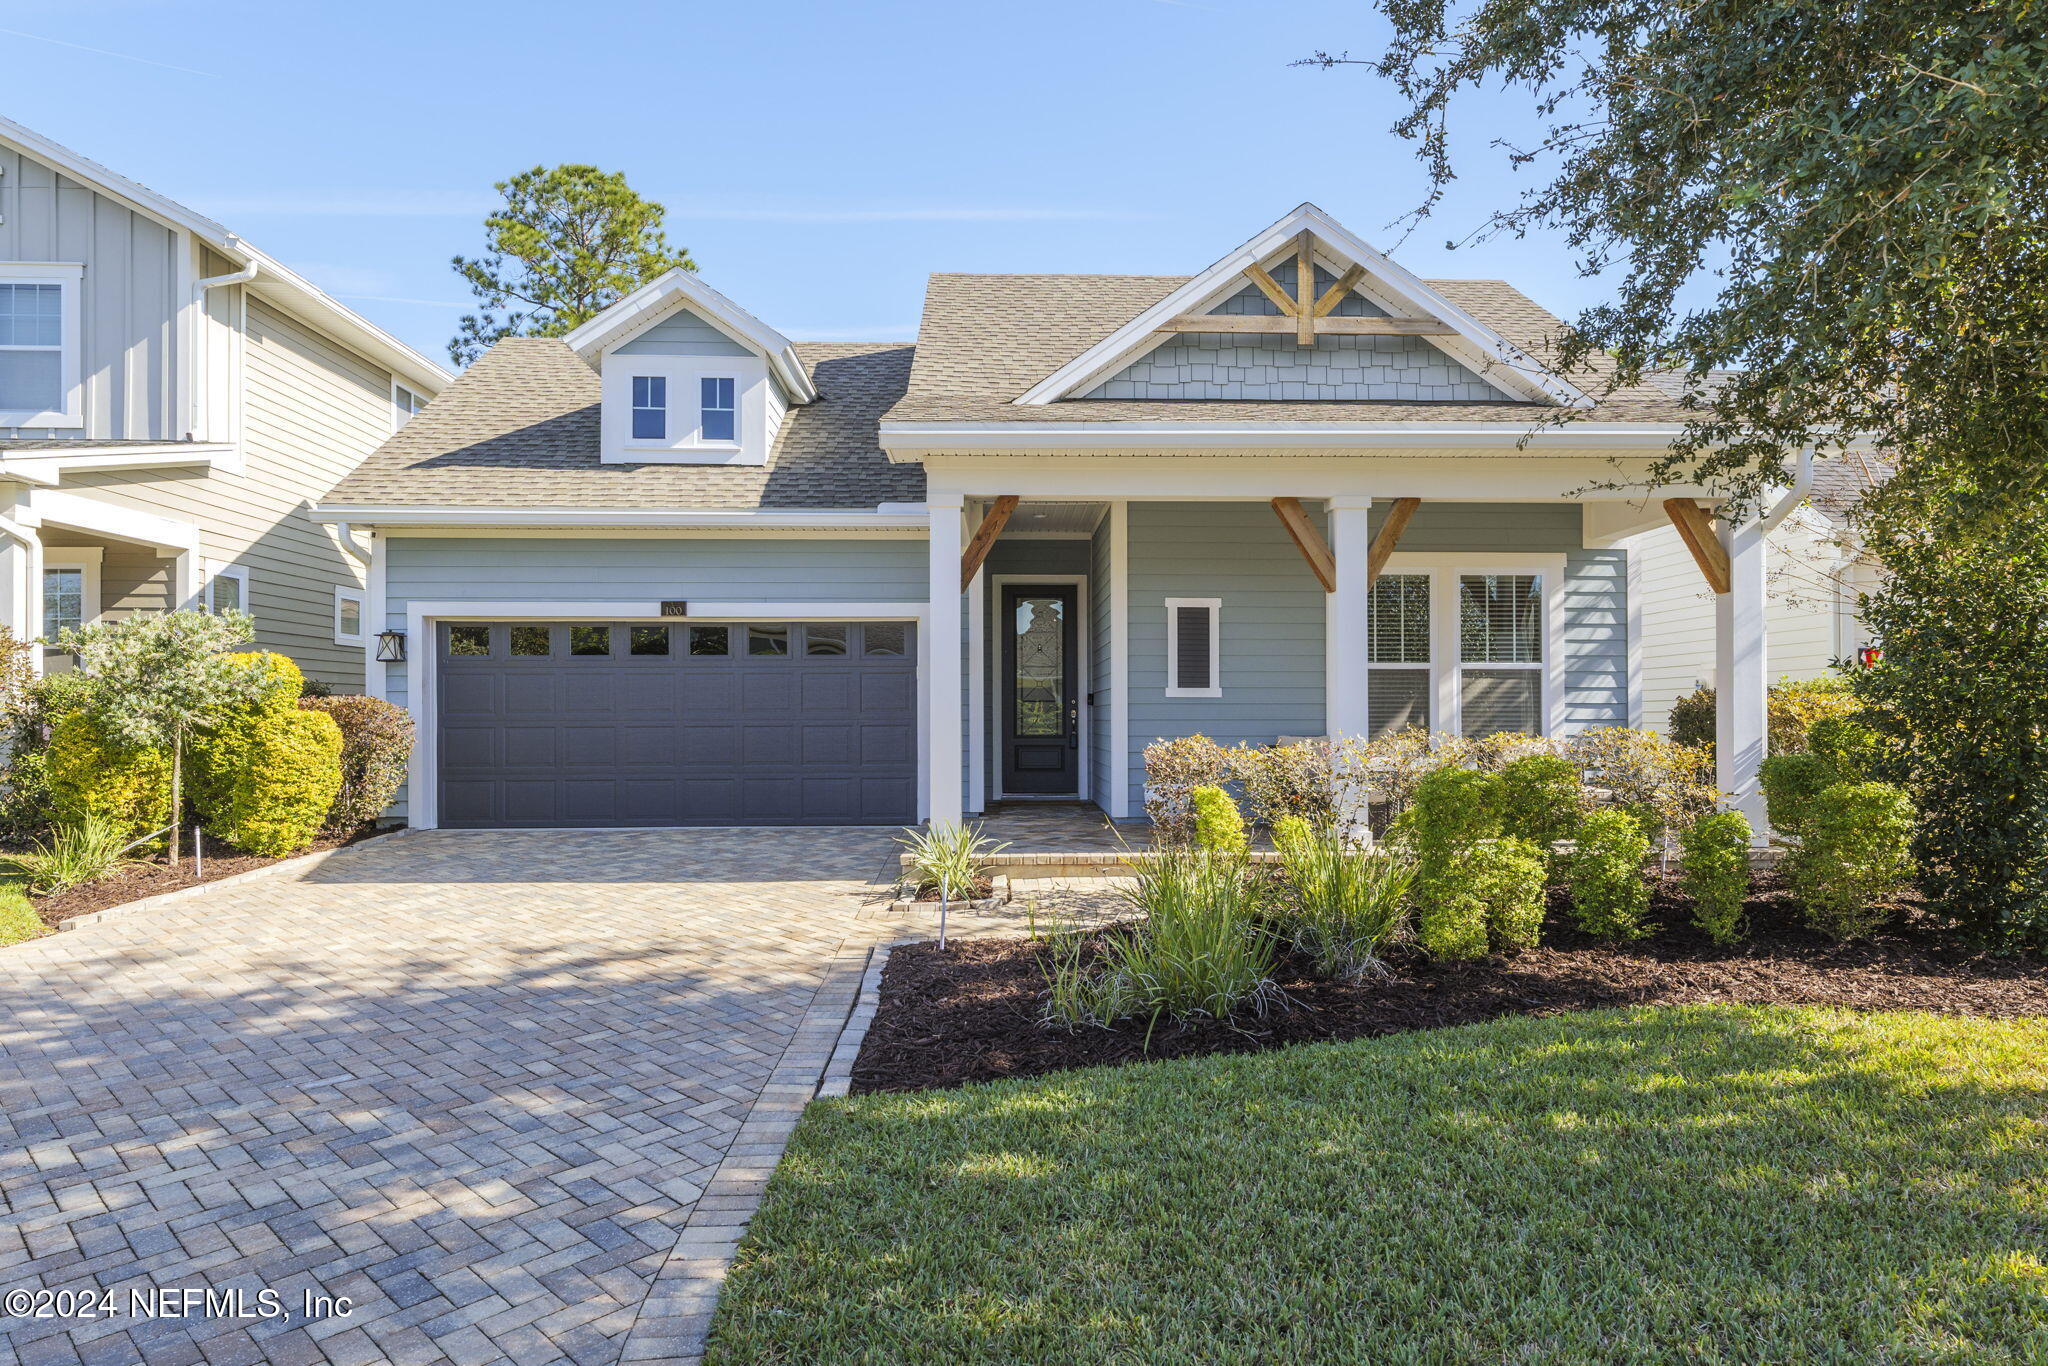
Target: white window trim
[(87, 558), (362, 601), (399, 414), (685, 443), (70, 277), (1215, 608), (1445, 568), (216, 571)]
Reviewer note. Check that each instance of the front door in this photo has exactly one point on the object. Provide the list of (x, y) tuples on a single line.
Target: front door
[(1041, 712)]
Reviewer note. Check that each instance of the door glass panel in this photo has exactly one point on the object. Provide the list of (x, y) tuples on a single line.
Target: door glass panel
[(590, 640), (1041, 667), (824, 640), (883, 638), (529, 641), (767, 640), (469, 640), (708, 640), (650, 640)]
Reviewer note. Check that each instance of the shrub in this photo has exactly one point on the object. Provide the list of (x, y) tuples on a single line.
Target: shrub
[(955, 854), (1348, 901), (1490, 892), (1291, 832), (1219, 829), (1791, 782), (1386, 770), (1283, 780), (29, 808), (1855, 859), (1453, 810), (92, 773), (81, 851), (1609, 894), (1668, 784), (268, 773), (1173, 770), (18, 919), (1794, 706), (1198, 951), (1493, 753), (376, 742), (1542, 799), (1714, 871), (1854, 749)]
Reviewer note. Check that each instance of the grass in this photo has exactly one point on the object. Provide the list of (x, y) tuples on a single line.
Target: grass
[(18, 919), (1691, 1184)]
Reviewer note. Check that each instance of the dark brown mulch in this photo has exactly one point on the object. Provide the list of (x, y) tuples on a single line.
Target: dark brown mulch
[(983, 888), (973, 1012), (154, 875)]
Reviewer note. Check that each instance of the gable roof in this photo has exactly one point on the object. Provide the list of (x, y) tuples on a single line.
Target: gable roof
[(986, 340), (274, 280), (678, 289), (1316, 235), (519, 429)]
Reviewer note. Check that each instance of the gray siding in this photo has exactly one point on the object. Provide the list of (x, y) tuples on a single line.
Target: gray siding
[(682, 333), (1270, 630), (128, 307), (1235, 366), (537, 570)]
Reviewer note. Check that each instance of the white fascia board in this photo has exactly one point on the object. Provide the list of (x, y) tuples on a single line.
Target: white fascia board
[(914, 438), (291, 289), (675, 288), (107, 519), (854, 519), (91, 457), (1408, 292)]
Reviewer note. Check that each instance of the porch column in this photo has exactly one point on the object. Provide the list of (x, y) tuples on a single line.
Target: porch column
[(944, 678), (20, 572), (1351, 547), (1741, 675)]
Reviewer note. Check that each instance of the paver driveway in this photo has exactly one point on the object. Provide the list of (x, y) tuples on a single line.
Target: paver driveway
[(474, 1082)]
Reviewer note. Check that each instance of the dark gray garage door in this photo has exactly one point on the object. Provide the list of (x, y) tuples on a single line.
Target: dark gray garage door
[(573, 724)]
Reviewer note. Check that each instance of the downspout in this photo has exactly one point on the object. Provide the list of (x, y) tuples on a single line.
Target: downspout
[(200, 288), (348, 542), (1802, 484)]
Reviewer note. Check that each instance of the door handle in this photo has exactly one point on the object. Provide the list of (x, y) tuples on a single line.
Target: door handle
[(1073, 723)]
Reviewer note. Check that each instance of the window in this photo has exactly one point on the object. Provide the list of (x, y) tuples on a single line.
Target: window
[(1399, 683), (590, 640), (710, 640), (1191, 647), (767, 640), (649, 640), (469, 641), (348, 617), (39, 384), (824, 640), (884, 638), (404, 402), (1500, 654), (71, 588), (650, 408), (720, 420), (227, 590), (532, 642)]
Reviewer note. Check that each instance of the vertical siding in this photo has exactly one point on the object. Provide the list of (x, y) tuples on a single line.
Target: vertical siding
[(311, 412), (1270, 630), (128, 309)]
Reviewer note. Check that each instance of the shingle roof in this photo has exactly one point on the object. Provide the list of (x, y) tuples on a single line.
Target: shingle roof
[(985, 339), (519, 429), (1841, 482)]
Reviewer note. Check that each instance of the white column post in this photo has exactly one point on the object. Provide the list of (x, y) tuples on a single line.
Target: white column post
[(20, 576), (943, 656), (1345, 712), (1741, 675)]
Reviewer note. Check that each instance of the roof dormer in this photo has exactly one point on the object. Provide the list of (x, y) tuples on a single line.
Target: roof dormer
[(688, 377)]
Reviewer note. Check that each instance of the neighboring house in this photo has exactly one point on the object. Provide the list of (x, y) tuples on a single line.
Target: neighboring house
[(674, 569), (171, 400), (1815, 572)]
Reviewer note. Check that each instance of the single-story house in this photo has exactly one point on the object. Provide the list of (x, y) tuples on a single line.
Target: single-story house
[(674, 569)]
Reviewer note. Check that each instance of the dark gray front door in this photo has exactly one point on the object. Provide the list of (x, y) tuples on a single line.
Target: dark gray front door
[(771, 723), (1041, 711)]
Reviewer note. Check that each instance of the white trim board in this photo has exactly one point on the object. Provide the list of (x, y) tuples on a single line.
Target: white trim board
[(677, 289), (424, 618), (1084, 646)]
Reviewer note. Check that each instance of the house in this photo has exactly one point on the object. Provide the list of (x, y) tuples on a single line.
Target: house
[(675, 569), (1814, 572), (171, 400)]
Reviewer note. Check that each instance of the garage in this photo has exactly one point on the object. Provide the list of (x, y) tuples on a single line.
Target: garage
[(675, 724)]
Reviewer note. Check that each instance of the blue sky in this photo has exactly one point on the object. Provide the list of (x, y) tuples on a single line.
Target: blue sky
[(818, 159)]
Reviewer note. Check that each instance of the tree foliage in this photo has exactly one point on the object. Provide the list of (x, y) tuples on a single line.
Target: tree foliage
[(569, 242)]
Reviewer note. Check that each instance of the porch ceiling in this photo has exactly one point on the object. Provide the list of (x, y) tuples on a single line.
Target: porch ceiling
[(1049, 518)]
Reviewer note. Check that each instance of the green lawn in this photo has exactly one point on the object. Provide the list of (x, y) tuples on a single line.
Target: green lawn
[(1688, 1184)]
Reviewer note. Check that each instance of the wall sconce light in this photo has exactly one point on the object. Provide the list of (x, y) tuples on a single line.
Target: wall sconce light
[(391, 647)]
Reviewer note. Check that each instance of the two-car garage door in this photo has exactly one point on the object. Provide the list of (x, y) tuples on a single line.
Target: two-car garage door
[(623, 724)]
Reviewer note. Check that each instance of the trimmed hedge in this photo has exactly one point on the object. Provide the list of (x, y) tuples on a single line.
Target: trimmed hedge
[(91, 773), (1542, 799), (1609, 894), (1791, 783), (376, 742), (1855, 859), (1713, 867), (268, 774)]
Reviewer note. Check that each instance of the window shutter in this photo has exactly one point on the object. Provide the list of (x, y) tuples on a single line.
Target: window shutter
[(1192, 630)]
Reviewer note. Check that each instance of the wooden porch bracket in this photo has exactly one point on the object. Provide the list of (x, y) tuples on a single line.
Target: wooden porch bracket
[(1389, 536), (992, 523), (1308, 541), (1696, 528)]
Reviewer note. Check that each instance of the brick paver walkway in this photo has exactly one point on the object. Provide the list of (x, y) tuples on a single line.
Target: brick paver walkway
[(473, 1082)]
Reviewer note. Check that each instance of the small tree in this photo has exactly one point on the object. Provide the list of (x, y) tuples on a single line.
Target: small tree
[(568, 243), (158, 678)]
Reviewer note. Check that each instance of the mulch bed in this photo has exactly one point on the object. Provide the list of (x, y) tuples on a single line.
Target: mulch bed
[(154, 875), (973, 1012)]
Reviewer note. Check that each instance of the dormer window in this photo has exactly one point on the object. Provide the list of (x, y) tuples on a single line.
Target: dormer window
[(650, 408), (720, 421)]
